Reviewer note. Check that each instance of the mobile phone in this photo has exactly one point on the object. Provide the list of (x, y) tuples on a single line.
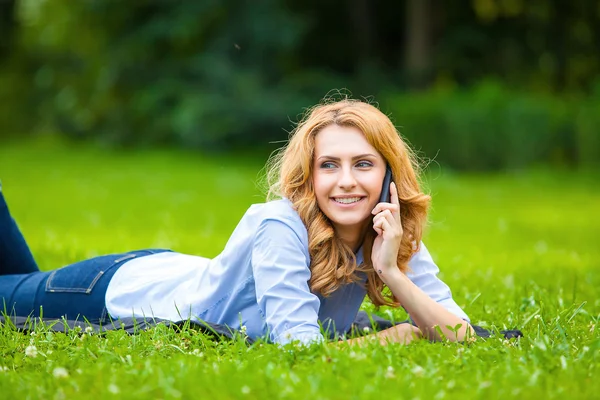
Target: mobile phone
[(385, 189)]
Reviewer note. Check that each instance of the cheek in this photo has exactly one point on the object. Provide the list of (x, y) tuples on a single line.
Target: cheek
[(373, 187), (322, 189), (320, 186)]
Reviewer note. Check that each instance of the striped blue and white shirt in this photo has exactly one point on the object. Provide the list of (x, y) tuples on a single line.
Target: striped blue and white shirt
[(259, 281)]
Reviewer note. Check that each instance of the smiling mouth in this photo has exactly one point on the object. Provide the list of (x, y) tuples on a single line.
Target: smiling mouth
[(347, 200)]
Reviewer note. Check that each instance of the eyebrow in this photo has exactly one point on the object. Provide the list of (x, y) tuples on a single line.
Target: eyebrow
[(354, 158)]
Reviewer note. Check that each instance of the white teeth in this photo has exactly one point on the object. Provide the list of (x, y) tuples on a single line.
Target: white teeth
[(347, 200)]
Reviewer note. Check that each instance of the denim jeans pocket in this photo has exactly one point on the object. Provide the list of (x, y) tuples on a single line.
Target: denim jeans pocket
[(82, 276)]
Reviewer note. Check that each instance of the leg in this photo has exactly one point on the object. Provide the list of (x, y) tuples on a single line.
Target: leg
[(15, 256), (76, 291)]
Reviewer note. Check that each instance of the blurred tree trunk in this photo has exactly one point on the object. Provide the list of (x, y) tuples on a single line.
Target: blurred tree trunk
[(560, 37), (7, 27), (360, 13), (417, 58)]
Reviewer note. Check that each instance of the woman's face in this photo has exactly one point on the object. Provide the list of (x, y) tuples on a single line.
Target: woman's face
[(347, 178)]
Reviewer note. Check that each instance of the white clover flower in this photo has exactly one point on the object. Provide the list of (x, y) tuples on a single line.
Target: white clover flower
[(366, 329), (60, 372), (114, 389), (485, 384), (390, 373), (89, 329), (418, 370), (585, 349), (197, 353), (245, 390), (31, 351)]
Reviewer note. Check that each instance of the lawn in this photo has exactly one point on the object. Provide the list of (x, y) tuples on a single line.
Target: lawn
[(520, 250)]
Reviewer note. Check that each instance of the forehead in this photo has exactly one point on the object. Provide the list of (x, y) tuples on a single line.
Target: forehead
[(341, 141)]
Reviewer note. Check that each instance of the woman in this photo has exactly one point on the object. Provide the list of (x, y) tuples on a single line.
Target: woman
[(305, 258)]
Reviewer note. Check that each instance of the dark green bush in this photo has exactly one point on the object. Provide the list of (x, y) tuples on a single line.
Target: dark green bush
[(489, 128)]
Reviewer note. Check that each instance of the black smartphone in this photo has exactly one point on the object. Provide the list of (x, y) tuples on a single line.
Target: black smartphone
[(385, 189)]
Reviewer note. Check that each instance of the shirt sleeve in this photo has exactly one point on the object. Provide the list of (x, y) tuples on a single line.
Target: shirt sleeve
[(281, 271), (424, 274)]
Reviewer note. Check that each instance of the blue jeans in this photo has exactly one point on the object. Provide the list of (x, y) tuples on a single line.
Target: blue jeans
[(76, 291)]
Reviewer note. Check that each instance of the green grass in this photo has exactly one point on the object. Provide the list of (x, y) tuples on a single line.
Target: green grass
[(518, 250)]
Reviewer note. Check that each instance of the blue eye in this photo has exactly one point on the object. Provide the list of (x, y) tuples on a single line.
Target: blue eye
[(328, 164), (364, 164)]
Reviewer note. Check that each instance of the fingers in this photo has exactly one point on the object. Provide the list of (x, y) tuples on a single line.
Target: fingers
[(385, 221), (385, 206), (394, 206), (394, 195), (384, 214), (387, 215), (379, 223), (402, 333)]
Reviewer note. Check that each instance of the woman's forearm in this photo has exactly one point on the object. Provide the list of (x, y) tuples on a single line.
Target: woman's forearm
[(424, 311)]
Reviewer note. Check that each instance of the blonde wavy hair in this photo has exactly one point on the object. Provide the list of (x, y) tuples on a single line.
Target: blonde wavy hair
[(289, 175)]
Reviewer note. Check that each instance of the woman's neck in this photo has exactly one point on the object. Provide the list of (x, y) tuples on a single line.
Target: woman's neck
[(353, 238)]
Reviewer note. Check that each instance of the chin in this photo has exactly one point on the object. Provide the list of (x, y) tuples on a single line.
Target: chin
[(348, 222)]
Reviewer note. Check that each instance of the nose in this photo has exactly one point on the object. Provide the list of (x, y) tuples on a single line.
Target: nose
[(346, 180)]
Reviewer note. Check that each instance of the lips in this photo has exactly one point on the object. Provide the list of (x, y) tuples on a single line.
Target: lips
[(347, 199)]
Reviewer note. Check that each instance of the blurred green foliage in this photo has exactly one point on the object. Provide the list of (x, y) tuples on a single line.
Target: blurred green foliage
[(489, 128), (161, 71), (227, 74)]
